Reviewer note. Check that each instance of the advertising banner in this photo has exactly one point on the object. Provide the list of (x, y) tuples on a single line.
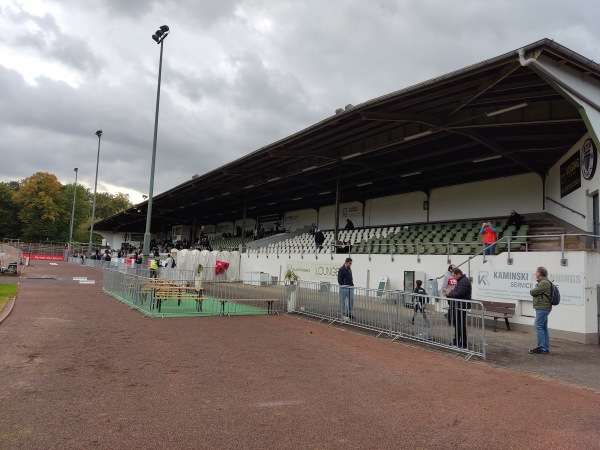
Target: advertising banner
[(515, 284), (315, 271), (34, 257)]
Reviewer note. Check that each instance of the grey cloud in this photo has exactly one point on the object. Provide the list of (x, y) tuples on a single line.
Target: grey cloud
[(51, 42)]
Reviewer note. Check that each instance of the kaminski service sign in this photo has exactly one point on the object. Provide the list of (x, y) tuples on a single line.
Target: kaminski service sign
[(516, 284)]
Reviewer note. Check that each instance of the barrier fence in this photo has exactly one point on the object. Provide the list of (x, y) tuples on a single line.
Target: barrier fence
[(436, 321), (170, 297), (396, 314)]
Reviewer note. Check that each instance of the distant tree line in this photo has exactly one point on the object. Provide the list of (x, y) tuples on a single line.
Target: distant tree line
[(38, 208)]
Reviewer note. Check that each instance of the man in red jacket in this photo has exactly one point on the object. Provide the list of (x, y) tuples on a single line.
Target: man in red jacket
[(489, 237)]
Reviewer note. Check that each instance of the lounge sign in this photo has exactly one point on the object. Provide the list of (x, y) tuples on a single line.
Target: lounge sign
[(315, 271), (516, 284)]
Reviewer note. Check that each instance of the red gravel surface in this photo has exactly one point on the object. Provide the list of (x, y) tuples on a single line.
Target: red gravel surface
[(81, 370)]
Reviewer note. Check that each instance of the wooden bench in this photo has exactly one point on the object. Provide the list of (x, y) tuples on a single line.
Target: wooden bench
[(269, 301), (498, 310)]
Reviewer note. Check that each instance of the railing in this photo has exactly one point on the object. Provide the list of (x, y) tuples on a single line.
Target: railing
[(565, 207), (159, 297), (398, 315), (393, 313)]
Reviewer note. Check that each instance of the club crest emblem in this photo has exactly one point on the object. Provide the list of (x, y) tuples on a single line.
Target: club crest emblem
[(589, 159)]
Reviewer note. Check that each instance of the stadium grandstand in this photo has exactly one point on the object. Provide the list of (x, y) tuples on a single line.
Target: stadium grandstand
[(418, 171)]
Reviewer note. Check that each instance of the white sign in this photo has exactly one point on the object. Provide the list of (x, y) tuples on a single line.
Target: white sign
[(515, 284), (315, 271)]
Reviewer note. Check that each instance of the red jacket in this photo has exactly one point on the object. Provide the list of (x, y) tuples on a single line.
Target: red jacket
[(489, 234)]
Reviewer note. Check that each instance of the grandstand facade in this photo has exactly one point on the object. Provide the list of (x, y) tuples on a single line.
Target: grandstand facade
[(417, 171)]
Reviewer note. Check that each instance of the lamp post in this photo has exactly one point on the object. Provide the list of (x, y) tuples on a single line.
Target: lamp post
[(73, 212), (99, 134), (159, 36)]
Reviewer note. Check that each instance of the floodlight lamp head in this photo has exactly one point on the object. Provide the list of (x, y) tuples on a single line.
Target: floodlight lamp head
[(159, 33), (76, 169), (155, 37), (164, 28), (99, 133)]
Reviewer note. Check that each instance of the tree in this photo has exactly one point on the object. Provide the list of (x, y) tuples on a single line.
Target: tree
[(41, 206), (108, 204), (82, 210), (10, 227)]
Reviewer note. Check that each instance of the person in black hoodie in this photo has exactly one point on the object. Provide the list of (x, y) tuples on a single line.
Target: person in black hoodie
[(319, 239), (419, 300), (457, 310)]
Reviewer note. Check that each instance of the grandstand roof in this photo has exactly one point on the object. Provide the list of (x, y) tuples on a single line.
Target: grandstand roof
[(493, 119)]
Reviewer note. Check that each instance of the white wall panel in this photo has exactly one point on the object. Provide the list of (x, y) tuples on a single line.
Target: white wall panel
[(490, 198)]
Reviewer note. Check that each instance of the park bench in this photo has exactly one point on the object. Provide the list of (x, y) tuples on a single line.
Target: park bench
[(251, 301), (498, 310)]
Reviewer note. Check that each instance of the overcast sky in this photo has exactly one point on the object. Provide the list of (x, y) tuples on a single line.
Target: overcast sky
[(237, 75)]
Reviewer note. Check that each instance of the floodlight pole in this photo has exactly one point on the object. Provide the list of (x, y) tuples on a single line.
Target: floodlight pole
[(159, 37), (99, 134), (73, 213)]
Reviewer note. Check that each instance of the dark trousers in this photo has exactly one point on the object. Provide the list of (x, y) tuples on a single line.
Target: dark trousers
[(459, 320)]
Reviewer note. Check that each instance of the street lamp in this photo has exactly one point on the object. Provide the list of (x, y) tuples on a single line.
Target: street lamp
[(73, 212), (159, 36), (99, 134)]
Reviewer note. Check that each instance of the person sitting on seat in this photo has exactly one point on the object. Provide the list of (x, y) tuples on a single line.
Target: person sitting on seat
[(349, 225), (515, 219)]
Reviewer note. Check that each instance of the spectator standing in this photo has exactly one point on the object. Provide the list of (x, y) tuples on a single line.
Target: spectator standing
[(138, 263), (515, 219), (346, 288), (169, 262), (419, 300), (448, 281), (349, 225), (457, 310), (319, 239), (153, 268), (489, 237), (542, 305)]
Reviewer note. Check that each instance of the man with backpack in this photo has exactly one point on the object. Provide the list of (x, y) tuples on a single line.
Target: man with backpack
[(542, 304)]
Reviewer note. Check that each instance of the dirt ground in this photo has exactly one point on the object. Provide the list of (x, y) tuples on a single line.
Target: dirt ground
[(81, 370)]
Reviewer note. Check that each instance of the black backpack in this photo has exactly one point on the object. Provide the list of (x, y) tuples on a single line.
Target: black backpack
[(554, 294)]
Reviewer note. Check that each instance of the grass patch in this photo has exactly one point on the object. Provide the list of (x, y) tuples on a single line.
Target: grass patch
[(7, 291)]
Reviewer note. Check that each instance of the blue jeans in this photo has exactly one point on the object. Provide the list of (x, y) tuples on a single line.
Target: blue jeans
[(490, 249), (541, 328), (346, 292)]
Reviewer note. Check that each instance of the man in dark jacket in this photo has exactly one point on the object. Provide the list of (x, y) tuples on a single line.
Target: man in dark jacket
[(319, 239), (542, 305), (457, 311), (346, 288)]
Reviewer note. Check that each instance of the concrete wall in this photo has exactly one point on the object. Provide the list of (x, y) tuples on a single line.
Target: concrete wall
[(297, 220)]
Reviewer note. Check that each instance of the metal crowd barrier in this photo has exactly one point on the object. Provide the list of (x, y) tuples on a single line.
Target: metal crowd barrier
[(435, 321), (161, 297), (396, 314)]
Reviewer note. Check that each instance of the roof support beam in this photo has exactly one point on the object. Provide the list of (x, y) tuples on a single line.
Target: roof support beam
[(507, 71)]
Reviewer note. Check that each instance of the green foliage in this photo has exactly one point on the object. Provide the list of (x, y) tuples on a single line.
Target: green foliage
[(7, 291), (108, 204), (290, 275), (41, 206), (10, 227), (82, 212)]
